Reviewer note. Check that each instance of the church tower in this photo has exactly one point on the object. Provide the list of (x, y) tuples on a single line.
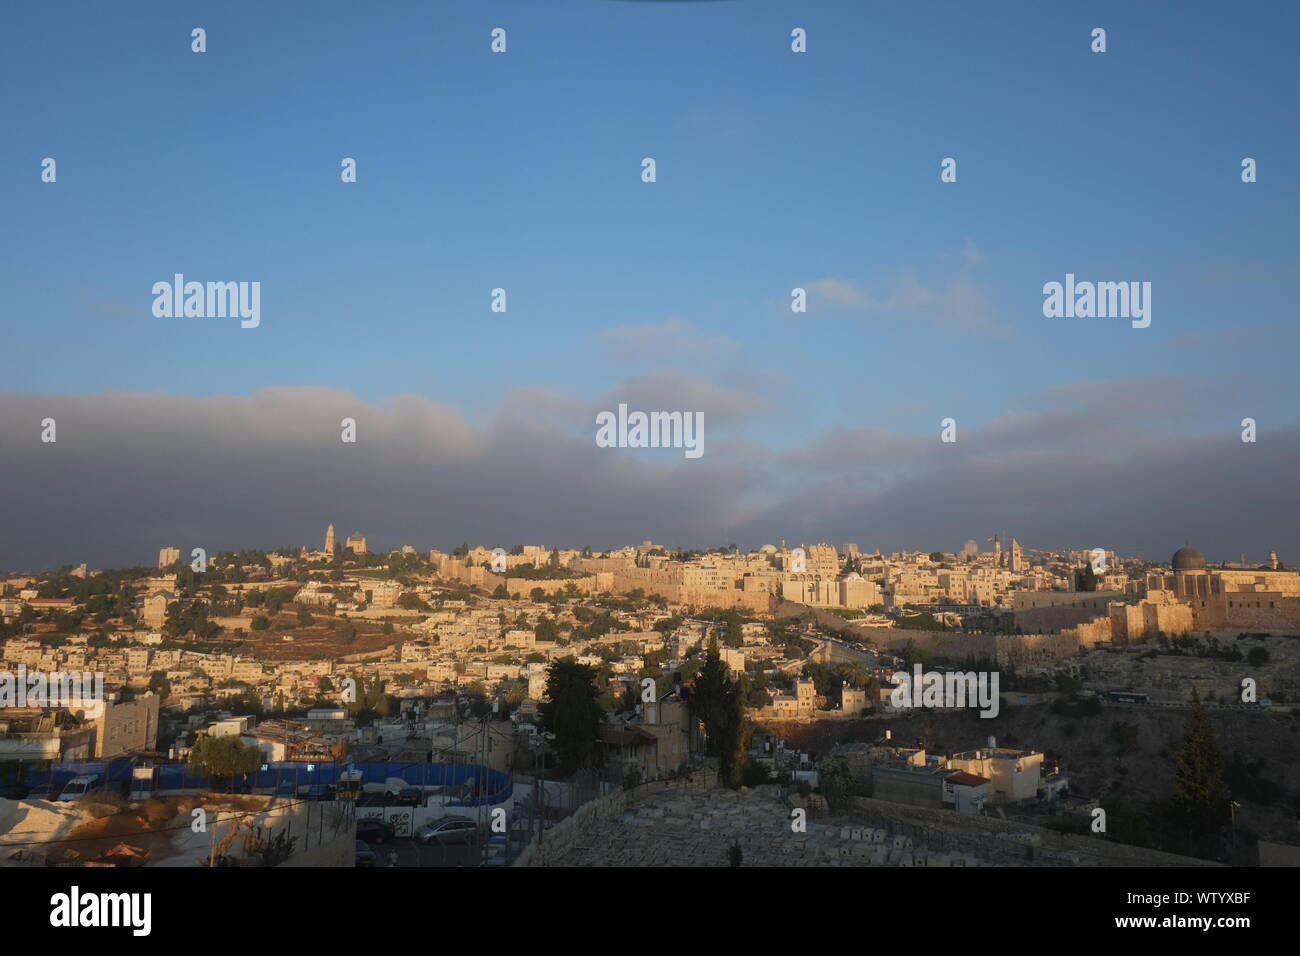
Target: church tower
[(329, 541)]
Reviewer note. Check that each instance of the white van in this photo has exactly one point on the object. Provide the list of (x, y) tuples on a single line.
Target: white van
[(78, 787)]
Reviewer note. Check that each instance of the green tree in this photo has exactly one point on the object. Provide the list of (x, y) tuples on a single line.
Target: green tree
[(304, 618), (572, 712), (719, 703), (836, 783), (1200, 790), (260, 623), (220, 758)]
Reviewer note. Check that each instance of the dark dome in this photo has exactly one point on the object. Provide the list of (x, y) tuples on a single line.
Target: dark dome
[(1188, 559)]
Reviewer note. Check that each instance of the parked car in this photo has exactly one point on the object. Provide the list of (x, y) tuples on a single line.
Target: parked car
[(320, 791), (232, 786), (394, 785), (366, 856), (286, 789), (78, 787), (45, 791), (374, 830), (448, 831), (409, 797), (14, 791)]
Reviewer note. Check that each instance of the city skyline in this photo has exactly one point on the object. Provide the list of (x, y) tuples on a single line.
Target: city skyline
[(998, 543)]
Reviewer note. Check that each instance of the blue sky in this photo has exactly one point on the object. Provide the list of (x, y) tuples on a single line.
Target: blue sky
[(775, 170)]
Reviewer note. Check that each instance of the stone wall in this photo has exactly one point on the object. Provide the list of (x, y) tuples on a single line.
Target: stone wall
[(565, 835), (1006, 840), (573, 831), (1017, 650)]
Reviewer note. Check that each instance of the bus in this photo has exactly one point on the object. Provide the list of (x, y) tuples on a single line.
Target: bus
[(349, 785), (1127, 697)]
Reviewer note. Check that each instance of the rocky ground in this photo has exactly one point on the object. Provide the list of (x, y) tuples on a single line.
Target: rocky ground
[(697, 828)]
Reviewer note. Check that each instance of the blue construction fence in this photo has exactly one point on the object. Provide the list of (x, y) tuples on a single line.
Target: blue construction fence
[(489, 786)]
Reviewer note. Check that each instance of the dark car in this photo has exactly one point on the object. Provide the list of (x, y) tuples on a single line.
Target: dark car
[(448, 831), (46, 791), (320, 791), (409, 797), (13, 791), (374, 830), (365, 855), (231, 786), (286, 789)]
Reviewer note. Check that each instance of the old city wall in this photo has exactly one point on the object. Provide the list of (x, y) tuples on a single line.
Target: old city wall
[(1016, 650)]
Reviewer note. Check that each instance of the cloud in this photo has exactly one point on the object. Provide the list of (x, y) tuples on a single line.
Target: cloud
[(1233, 273), (675, 391), (675, 339), (838, 292), (971, 255), (1129, 464), (960, 305)]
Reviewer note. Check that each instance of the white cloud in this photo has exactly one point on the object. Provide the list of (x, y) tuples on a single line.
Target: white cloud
[(674, 339)]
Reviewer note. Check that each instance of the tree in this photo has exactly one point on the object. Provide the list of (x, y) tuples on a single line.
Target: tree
[(913, 655), (836, 783), (1200, 790), (260, 623), (222, 757), (572, 713), (517, 694), (719, 703), (304, 618)]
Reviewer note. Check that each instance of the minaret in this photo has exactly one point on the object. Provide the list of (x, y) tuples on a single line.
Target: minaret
[(329, 540)]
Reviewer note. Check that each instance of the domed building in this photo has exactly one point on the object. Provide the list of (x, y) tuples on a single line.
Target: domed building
[(1191, 578), (1188, 559), (1229, 598)]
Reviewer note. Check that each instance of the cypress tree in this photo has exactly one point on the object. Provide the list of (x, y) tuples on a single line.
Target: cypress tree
[(1200, 790)]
